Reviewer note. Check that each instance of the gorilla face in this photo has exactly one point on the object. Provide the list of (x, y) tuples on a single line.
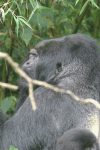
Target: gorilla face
[(30, 64)]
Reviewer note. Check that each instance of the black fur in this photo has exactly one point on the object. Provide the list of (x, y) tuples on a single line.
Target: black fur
[(71, 63)]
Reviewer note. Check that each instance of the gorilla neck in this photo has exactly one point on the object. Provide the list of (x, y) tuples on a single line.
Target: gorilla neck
[(81, 89)]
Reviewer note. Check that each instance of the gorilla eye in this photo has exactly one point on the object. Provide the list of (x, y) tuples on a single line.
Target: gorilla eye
[(59, 67)]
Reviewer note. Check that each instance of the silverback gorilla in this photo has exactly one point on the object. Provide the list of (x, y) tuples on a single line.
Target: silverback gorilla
[(72, 63)]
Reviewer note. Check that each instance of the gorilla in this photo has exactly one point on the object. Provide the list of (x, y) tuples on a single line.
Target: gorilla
[(72, 63)]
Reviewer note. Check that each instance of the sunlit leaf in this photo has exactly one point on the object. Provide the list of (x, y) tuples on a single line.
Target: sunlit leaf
[(21, 1), (8, 10), (32, 13), (22, 20), (18, 7), (31, 1), (17, 26), (21, 17), (93, 3), (86, 3), (12, 148), (76, 2)]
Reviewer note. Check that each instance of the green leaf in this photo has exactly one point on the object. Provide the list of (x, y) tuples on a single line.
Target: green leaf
[(12, 148), (33, 20), (25, 22), (6, 104), (17, 26), (8, 10), (76, 2), (43, 22), (38, 17), (27, 35), (86, 3), (31, 1), (21, 17), (21, 1), (18, 7), (22, 26), (47, 13), (8, 42), (32, 13), (93, 3), (1, 3)]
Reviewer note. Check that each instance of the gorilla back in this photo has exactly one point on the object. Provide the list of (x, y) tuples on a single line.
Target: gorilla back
[(72, 63)]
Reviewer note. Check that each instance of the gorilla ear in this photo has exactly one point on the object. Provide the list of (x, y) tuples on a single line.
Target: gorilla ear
[(59, 67)]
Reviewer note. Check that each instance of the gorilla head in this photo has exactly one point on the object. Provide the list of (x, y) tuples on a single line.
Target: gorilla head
[(71, 62)]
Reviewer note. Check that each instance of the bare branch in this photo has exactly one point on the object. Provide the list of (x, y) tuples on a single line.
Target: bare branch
[(9, 86), (32, 96)]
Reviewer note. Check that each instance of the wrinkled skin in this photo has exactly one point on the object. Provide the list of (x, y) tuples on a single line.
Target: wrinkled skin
[(71, 63)]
